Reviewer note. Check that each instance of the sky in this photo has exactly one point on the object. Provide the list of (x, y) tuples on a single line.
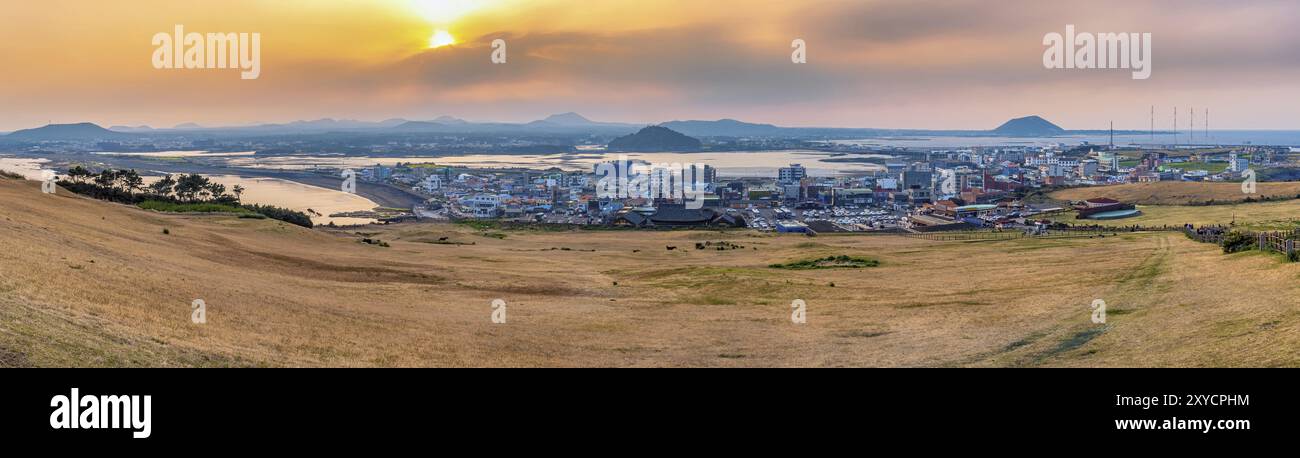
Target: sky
[(930, 64)]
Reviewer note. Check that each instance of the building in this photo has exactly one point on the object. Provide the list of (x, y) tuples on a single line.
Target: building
[(431, 183), (1237, 164), (483, 205), (792, 174), (917, 178), (1088, 167)]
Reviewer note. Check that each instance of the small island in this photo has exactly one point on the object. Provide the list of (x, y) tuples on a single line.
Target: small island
[(655, 139)]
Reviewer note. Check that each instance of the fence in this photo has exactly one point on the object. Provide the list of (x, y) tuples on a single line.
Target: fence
[(1272, 241), (1052, 233), (1283, 242)]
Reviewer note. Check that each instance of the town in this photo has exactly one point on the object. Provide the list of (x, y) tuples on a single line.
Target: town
[(939, 190)]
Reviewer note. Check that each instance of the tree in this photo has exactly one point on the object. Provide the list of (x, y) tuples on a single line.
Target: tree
[(217, 190), (107, 178), (131, 180), (78, 174), (191, 186), (239, 192), (163, 186)]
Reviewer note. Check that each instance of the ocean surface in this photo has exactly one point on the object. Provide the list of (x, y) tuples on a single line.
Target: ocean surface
[(1199, 138), (731, 164)]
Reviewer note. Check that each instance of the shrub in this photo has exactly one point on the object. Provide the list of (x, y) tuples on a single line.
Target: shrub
[(282, 214), (158, 205), (1234, 242), (829, 262)]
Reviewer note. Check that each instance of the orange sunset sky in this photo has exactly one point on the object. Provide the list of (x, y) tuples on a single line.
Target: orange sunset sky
[(907, 64)]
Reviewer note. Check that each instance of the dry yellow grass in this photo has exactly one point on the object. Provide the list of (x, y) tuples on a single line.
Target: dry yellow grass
[(1278, 215), (1179, 192), (85, 283)]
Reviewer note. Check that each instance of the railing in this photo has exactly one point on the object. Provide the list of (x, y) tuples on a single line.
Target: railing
[(1283, 242)]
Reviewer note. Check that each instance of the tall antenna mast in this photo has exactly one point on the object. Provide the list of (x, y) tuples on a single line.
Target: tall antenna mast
[(1191, 125), (1112, 135), (1153, 124), (1207, 124), (1175, 126)]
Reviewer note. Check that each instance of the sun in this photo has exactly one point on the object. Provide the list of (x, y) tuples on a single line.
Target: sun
[(441, 38)]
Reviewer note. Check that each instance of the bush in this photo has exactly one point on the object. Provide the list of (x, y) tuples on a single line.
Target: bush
[(158, 205), (282, 214), (829, 262), (1235, 242)]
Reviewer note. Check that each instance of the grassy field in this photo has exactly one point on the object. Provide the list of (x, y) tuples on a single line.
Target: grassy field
[(1212, 167), (1179, 192), (87, 283), (1282, 215)]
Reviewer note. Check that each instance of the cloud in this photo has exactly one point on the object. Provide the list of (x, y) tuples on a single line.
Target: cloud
[(931, 63)]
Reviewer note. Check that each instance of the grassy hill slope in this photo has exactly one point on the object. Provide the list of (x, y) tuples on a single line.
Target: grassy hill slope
[(85, 283), (1180, 192)]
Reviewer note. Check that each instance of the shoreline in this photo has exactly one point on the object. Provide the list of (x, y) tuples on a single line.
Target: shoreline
[(381, 194)]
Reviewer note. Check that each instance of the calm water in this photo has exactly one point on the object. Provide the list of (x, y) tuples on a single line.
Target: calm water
[(1214, 137), (179, 154), (733, 164), (28, 168)]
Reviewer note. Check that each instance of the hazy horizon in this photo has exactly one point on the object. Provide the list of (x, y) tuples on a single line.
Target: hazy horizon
[(959, 65)]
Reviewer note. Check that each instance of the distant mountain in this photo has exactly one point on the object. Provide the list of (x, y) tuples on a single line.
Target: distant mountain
[(655, 138), (449, 120), (333, 124), (723, 128), (568, 119), (81, 131), (1029, 126), (188, 125), (573, 123), (419, 125), (131, 129)]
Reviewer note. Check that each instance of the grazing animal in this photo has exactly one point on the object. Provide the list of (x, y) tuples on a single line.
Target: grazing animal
[(671, 248)]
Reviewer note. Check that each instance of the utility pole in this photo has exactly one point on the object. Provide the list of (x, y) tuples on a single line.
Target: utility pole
[(1175, 127)]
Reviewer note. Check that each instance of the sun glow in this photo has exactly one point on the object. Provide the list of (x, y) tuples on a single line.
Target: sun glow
[(443, 12), (441, 38)]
